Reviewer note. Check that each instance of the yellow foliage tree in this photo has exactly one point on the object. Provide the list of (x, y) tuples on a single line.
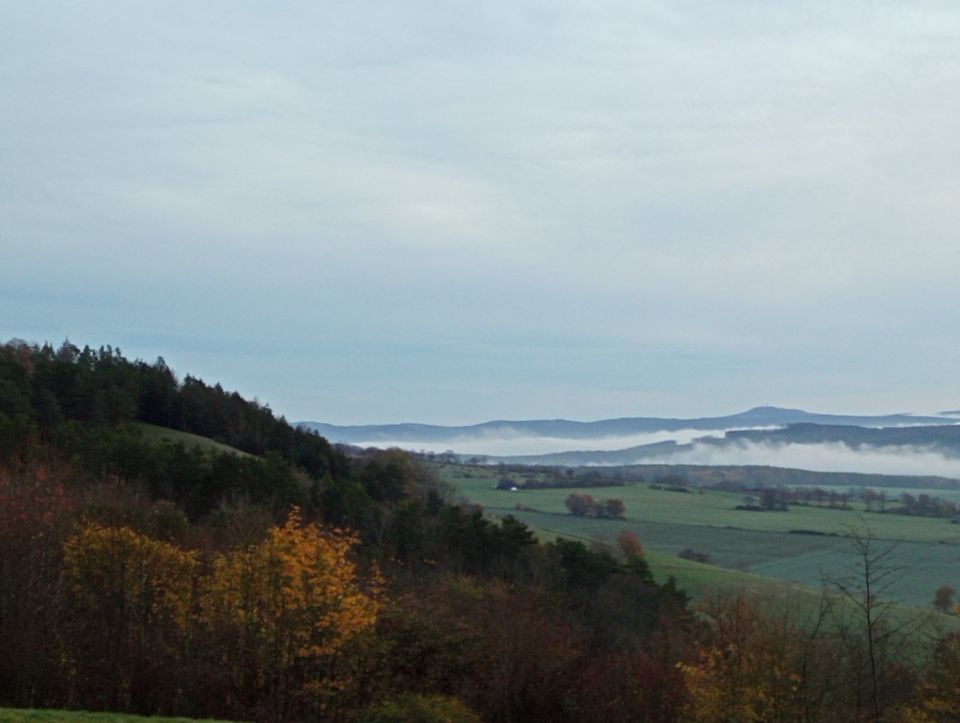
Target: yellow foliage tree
[(149, 579), (757, 665), (940, 691), (280, 610), (130, 599), (726, 686)]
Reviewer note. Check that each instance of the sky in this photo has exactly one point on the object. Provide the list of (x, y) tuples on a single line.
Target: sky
[(446, 212)]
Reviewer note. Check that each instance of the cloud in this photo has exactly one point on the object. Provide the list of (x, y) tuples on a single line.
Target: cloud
[(769, 190)]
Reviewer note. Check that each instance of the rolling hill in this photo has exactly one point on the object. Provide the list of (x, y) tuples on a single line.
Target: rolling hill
[(766, 416)]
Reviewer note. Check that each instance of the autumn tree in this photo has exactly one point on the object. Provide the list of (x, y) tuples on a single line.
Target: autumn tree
[(500, 649), (580, 505), (940, 700), (129, 605), (943, 598), (613, 507), (279, 612), (629, 545), (763, 662), (36, 516)]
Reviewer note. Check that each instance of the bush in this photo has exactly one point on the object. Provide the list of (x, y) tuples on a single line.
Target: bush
[(690, 554)]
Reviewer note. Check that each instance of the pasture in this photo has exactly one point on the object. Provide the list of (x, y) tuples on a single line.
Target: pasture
[(803, 545)]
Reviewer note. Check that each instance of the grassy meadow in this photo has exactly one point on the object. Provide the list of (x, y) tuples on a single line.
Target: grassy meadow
[(157, 434), (803, 545)]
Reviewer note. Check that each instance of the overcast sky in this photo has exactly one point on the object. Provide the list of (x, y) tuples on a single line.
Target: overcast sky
[(454, 211)]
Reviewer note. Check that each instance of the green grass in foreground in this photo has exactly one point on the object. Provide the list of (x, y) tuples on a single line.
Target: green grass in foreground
[(16, 715)]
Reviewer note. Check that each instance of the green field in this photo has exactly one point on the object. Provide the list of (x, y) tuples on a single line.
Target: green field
[(746, 548), (16, 715), (153, 433)]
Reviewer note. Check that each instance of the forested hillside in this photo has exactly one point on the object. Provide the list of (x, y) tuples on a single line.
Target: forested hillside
[(272, 576), (292, 582)]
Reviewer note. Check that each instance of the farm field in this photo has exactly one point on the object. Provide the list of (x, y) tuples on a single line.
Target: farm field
[(803, 545), (799, 601), (696, 578)]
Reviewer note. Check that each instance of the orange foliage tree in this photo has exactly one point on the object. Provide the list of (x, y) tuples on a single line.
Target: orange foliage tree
[(761, 664), (280, 611)]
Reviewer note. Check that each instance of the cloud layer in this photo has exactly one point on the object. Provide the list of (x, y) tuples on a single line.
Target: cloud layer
[(365, 213)]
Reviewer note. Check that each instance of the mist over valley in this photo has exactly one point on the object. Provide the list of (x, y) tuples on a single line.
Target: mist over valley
[(896, 444)]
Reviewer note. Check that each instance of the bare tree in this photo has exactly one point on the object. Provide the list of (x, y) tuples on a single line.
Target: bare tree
[(867, 588)]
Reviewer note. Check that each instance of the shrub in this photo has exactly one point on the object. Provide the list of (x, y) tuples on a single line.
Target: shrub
[(690, 554)]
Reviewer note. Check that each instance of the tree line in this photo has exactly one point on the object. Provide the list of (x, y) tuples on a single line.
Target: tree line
[(778, 498)]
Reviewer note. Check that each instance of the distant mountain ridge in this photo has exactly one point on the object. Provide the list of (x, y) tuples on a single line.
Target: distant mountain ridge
[(766, 416)]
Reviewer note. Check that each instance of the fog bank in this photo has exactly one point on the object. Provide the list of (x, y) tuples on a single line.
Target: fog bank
[(833, 457), (524, 444)]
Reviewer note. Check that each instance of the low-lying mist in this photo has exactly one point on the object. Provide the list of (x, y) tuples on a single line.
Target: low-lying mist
[(822, 457), (831, 457), (505, 444)]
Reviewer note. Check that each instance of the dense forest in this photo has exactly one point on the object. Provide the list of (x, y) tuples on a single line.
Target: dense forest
[(272, 576)]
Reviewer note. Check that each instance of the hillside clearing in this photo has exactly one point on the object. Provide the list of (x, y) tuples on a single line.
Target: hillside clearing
[(165, 435)]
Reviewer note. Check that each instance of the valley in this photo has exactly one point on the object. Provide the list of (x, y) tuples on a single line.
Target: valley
[(803, 545)]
